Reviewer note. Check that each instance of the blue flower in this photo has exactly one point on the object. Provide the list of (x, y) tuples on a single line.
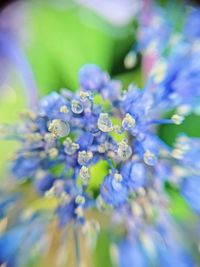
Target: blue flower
[(66, 212), (134, 174), (25, 167), (44, 182), (192, 25), (113, 192), (190, 189), (92, 78), (50, 106), (9, 243), (131, 254)]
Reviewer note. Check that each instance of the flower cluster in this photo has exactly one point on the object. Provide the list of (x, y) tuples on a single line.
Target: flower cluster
[(68, 134)]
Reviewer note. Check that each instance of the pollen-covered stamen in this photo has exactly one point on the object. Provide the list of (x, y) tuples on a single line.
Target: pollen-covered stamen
[(64, 198), (64, 109), (69, 147), (128, 122), (59, 128), (177, 119), (79, 212), (53, 152), (33, 137), (80, 200), (116, 182), (76, 106), (149, 158), (84, 95), (104, 123), (84, 175), (84, 157), (124, 150), (118, 177)]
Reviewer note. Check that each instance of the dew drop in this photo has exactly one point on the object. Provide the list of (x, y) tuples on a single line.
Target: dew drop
[(76, 107), (69, 147), (128, 122), (84, 157), (104, 123), (59, 128), (84, 174), (124, 151)]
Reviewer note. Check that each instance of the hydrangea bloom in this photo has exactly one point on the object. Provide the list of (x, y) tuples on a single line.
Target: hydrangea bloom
[(68, 134)]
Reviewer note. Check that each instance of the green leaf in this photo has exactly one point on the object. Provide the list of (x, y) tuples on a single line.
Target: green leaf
[(62, 40)]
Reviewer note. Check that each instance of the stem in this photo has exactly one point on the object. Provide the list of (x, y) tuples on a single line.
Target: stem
[(77, 247)]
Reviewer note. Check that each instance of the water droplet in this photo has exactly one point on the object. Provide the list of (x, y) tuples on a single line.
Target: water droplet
[(104, 123), (128, 122), (76, 107), (70, 147), (59, 128), (84, 157), (124, 151), (149, 158), (84, 174)]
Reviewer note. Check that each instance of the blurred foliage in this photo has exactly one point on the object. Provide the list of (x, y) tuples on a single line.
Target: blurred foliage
[(12, 102), (102, 252), (190, 126), (62, 40)]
